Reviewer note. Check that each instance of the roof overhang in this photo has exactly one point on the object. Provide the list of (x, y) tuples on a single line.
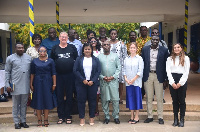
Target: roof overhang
[(98, 11)]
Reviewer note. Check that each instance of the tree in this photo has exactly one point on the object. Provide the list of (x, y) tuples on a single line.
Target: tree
[(22, 30)]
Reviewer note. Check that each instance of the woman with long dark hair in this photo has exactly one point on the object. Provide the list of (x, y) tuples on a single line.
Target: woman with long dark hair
[(177, 67), (87, 70), (96, 46), (33, 51)]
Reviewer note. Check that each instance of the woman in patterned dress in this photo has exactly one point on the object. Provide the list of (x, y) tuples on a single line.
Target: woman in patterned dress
[(119, 48), (33, 51)]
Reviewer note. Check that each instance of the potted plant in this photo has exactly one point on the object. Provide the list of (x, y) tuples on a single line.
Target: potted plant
[(193, 55)]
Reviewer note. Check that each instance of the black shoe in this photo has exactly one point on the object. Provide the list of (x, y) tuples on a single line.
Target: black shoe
[(106, 121), (181, 124), (24, 125), (148, 120), (17, 126), (164, 101), (160, 121), (175, 120), (116, 121)]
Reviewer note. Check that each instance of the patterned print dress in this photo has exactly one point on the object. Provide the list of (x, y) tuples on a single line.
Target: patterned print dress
[(121, 51)]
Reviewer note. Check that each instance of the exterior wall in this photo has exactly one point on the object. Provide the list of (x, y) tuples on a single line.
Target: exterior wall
[(172, 27), (4, 36)]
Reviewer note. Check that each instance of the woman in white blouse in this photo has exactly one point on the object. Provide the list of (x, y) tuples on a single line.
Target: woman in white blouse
[(177, 67), (96, 51), (133, 73), (87, 69)]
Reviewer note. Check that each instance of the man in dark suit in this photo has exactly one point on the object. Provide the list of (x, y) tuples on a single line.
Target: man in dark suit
[(154, 57)]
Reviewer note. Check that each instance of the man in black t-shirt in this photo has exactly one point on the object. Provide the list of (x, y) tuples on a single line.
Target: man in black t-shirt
[(64, 56)]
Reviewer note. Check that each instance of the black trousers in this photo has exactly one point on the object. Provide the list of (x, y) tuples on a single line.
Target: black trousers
[(64, 86), (178, 95), (142, 90), (85, 92)]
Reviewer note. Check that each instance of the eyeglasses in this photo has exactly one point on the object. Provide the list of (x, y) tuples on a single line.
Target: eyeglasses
[(93, 41), (42, 51), (63, 36), (106, 44), (155, 32)]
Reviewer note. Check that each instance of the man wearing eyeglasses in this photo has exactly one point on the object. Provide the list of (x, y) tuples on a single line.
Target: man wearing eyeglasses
[(161, 42), (64, 55), (110, 69), (75, 42), (155, 32)]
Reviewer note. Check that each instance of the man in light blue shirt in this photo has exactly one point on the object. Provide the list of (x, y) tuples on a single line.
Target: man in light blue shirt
[(51, 41), (74, 41)]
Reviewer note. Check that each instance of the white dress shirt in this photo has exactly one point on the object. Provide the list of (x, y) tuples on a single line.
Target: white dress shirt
[(177, 68)]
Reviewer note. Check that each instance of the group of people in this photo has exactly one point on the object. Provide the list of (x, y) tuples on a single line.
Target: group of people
[(57, 69)]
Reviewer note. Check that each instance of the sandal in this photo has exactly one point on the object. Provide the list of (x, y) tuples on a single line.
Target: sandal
[(134, 121), (121, 102), (46, 124), (60, 121), (69, 121), (39, 123), (130, 121), (35, 113)]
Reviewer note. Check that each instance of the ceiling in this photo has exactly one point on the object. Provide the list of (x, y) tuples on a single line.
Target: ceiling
[(98, 11)]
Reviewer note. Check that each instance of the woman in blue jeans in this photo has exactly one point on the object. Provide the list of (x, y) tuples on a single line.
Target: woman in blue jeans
[(87, 69)]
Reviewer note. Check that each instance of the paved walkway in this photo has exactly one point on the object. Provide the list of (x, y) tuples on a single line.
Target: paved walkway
[(190, 126)]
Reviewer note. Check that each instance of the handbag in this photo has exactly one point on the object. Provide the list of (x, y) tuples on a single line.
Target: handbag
[(3, 98)]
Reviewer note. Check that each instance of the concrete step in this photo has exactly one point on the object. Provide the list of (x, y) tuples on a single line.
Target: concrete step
[(124, 116), (167, 107)]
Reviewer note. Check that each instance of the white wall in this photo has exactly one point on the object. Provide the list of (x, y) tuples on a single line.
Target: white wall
[(4, 26)]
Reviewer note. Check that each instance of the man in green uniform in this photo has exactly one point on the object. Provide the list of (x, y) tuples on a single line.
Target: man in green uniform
[(110, 69)]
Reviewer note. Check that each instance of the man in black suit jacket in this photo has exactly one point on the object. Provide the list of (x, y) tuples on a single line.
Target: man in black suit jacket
[(154, 75)]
